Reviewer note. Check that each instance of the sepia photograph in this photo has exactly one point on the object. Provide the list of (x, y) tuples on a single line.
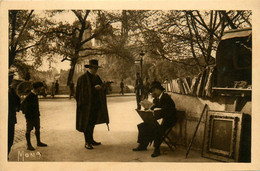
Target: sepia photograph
[(92, 85)]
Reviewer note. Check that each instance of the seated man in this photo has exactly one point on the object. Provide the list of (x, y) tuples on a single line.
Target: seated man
[(147, 132)]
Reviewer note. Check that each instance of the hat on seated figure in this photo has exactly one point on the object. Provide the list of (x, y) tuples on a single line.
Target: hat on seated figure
[(92, 63), (157, 85)]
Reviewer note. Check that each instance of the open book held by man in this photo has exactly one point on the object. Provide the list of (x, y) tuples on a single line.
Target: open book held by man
[(147, 114)]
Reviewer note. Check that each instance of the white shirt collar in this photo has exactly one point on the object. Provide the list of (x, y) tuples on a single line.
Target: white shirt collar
[(161, 95), (33, 92)]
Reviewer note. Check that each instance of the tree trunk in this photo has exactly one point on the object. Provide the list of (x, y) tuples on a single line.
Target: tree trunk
[(11, 57), (71, 72)]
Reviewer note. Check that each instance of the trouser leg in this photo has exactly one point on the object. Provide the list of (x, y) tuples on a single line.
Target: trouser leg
[(91, 132), (158, 136), (11, 129), (29, 128), (138, 100), (37, 134), (88, 134), (37, 130), (145, 134), (28, 139)]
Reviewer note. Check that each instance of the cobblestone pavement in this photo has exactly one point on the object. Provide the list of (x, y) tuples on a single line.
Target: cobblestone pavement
[(52, 110)]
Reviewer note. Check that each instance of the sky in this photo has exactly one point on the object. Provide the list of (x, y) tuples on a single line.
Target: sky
[(65, 65)]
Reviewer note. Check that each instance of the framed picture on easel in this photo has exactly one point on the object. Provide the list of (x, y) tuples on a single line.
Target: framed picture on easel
[(222, 136)]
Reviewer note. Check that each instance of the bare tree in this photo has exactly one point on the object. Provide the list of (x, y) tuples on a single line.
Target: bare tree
[(19, 35)]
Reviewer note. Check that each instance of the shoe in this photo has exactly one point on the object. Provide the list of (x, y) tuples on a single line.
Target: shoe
[(30, 148), (139, 148), (89, 146), (40, 144), (95, 143), (156, 153)]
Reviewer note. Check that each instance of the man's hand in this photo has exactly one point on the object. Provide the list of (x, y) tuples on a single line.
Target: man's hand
[(98, 87)]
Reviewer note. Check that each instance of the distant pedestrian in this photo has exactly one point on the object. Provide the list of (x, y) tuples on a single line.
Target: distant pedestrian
[(138, 90), (52, 89), (122, 87), (14, 105), (56, 87), (71, 89), (146, 88), (91, 103), (45, 88), (30, 107)]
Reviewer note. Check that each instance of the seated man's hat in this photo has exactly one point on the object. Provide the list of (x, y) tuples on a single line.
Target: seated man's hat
[(156, 84)]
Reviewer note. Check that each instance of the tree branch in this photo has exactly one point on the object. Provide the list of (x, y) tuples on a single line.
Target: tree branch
[(23, 49), (246, 20), (88, 39), (88, 48), (203, 24), (25, 24), (228, 20), (191, 42), (198, 39), (78, 15), (86, 15), (66, 59), (215, 19)]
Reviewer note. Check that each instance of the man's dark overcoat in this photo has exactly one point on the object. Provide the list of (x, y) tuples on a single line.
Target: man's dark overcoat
[(168, 110), (84, 100)]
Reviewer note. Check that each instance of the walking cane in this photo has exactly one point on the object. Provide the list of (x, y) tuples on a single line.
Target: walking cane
[(187, 153)]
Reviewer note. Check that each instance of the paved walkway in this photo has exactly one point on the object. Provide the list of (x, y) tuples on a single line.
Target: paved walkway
[(67, 144)]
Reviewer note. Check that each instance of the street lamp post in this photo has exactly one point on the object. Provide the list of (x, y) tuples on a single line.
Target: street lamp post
[(141, 63)]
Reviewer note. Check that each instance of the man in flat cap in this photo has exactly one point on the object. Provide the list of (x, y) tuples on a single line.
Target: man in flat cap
[(30, 107), (91, 103), (148, 132)]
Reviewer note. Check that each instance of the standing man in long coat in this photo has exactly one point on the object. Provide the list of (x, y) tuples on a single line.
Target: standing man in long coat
[(91, 103)]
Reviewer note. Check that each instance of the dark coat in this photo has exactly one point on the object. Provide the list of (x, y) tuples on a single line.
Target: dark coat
[(139, 87), (84, 97), (30, 106), (168, 110), (14, 105)]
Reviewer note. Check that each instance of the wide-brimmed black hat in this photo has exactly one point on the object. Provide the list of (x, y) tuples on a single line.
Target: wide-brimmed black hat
[(92, 63), (156, 84)]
